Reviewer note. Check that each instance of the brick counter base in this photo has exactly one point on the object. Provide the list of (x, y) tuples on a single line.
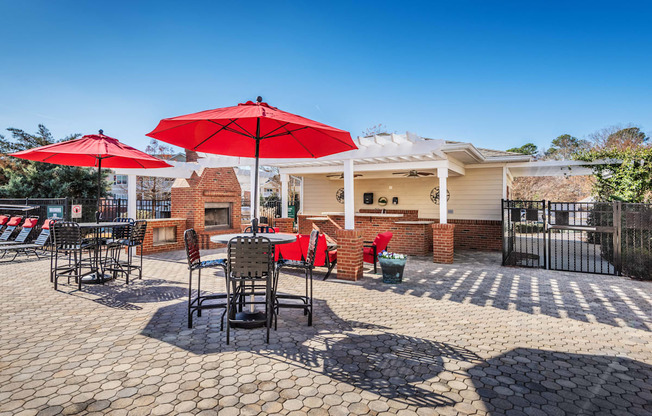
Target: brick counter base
[(285, 225), (349, 254), (443, 236), (485, 235), (148, 243)]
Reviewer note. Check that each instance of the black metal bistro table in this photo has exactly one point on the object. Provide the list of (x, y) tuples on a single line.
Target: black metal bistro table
[(97, 273), (275, 238)]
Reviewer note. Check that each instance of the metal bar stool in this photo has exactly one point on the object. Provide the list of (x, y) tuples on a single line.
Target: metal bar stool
[(250, 270), (67, 243), (114, 247), (136, 238), (307, 265), (196, 304)]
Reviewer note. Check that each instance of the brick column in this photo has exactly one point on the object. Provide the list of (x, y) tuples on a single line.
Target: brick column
[(285, 225), (443, 242), (349, 254)]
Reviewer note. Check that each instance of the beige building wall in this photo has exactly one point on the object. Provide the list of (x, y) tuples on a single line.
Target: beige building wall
[(475, 196)]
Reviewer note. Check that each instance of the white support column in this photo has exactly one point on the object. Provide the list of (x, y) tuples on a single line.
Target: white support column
[(442, 174), (349, 200), (131, 196), (284, 195), (504, 182), (301, 196)]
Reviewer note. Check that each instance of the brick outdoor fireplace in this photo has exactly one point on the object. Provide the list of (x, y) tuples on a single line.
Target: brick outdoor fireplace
[(210, 201)]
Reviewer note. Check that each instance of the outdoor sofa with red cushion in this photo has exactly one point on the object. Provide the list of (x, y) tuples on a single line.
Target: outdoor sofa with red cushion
[(297, 251)]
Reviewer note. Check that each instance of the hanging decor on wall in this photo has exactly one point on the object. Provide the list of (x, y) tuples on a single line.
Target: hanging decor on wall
[(339, 195), (434, 195), (382, 201)]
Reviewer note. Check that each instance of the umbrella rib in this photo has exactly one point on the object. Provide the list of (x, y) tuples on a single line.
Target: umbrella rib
[(279, 127), (243, 129), (271, 136), (299, 141), (225, 127), (332, 137)]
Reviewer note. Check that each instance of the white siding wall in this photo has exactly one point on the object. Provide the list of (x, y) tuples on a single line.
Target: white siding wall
[(473, 196)]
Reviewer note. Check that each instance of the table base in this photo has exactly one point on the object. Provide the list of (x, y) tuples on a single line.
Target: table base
[(249, 320)]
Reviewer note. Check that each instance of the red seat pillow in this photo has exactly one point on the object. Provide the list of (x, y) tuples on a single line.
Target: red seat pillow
[(3, 219), (14, 221), (30, 222)]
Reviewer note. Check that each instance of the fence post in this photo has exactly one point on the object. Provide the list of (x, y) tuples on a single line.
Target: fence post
[(618, 224)]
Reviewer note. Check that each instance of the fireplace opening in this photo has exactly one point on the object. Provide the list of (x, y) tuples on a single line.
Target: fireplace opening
[(217, 215)]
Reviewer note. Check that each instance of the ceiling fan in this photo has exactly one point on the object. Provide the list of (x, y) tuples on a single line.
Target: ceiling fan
[(414, 174), (341, 175)]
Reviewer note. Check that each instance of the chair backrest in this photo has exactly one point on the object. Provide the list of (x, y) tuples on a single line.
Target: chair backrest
[(28, 226), (320, 251), (191, 241), (382, 240), (312, 247), (67, 235), (250, 257), (122, 232), (11, 226), (44, 235), (290, 251), (138, 230), (261, 229)]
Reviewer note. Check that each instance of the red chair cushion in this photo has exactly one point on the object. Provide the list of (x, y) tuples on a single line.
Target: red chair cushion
[(332, 256), (289, 251), (381, 241), (47, 224), (3, 219), (320, 254), (14, 221), (276, 229), (30, 222)]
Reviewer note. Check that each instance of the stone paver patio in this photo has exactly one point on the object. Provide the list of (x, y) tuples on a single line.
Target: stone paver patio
[(467, 338)]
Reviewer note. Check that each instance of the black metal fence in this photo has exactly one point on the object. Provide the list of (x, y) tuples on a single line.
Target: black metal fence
[(109, 208), (590, 237)]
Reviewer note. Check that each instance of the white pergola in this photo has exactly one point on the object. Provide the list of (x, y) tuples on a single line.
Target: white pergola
[(380, 154)]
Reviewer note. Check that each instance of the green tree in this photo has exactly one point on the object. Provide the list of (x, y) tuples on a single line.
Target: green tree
[(21, 178), (526, 149), (565, 146), (626, 175)]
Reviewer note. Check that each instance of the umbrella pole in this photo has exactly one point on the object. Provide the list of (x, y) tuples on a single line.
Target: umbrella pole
[(254, 201), (99, 188)]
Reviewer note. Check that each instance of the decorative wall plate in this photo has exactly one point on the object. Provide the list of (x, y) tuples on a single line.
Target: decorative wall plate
[(382, 201), (339, 195), (434, 195)]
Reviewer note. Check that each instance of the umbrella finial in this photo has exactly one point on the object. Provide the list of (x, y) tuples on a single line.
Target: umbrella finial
[(259, 99), (101, 131)]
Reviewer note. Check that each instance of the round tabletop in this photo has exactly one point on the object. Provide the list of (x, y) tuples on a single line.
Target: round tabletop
[(275, 238)]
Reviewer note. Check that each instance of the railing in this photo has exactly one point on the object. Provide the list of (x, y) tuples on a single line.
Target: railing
[(109, 208)]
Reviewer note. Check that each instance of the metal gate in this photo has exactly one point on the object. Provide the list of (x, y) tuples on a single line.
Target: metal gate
[(583, 237), (590, 237), (524, 236)]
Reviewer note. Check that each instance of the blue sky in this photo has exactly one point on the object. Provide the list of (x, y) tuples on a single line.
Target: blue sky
[(495, 73)]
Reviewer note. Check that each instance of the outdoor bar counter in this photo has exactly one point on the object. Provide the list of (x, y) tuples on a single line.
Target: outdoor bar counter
[(412, 235)]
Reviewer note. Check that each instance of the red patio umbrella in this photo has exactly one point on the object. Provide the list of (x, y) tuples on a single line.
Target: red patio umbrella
[(93, 150), (253, 130)]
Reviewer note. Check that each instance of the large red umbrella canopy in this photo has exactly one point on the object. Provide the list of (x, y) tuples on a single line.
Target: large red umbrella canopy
[(89, 150), (234, 131), (93, 150)]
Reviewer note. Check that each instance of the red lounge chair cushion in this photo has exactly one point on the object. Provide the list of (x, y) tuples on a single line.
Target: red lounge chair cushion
[(30, 222), (3, 219), (47, 224), (14, 221)]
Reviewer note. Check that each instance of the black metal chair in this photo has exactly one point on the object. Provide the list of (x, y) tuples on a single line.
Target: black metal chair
[(136, 238), (250, 271), (307, 265), (196, 304), (114, 247), (68, 249)]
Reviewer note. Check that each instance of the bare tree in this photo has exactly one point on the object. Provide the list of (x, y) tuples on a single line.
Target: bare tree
[(619, 138)]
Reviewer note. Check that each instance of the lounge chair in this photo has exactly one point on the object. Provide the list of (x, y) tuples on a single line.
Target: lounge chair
[(40, 243), (25, 232), (10, 228), (4, 219), (373, 248)]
